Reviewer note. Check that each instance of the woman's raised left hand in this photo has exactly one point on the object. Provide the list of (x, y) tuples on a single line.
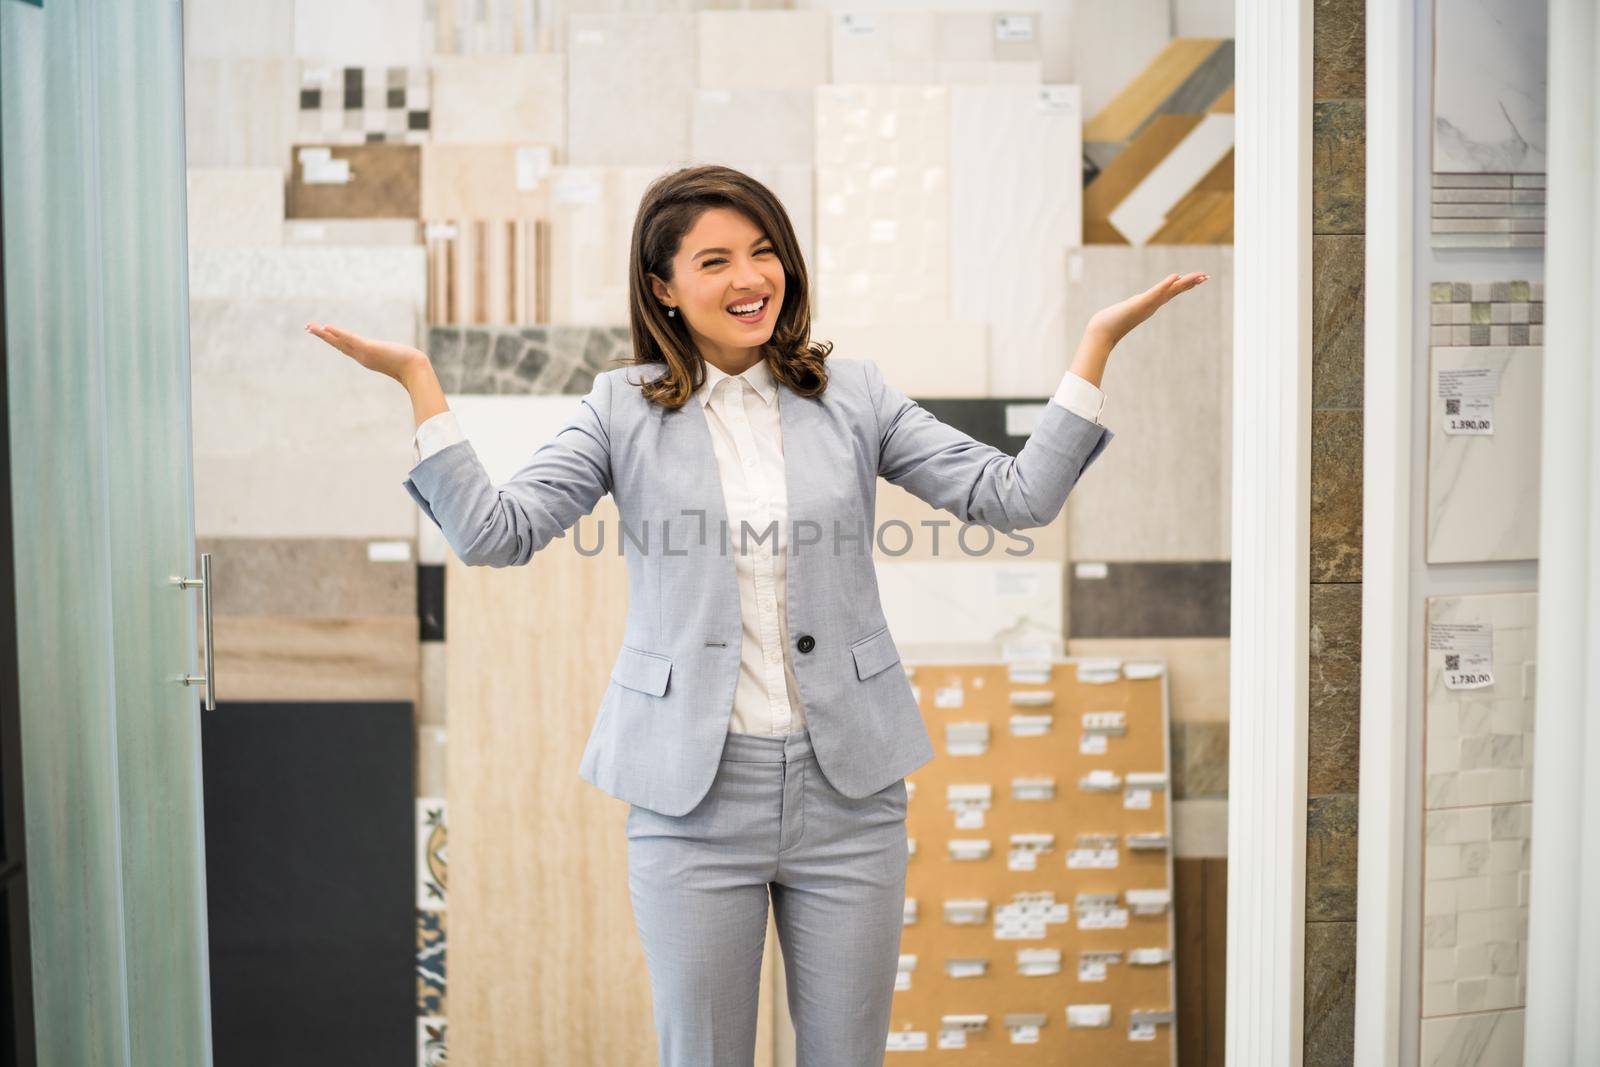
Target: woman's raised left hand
[(1114, 323)]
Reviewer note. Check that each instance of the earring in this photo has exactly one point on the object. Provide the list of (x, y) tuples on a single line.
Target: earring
[(671, 312)]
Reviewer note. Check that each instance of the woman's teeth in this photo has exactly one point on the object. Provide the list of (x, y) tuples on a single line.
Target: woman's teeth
[(746, 310)]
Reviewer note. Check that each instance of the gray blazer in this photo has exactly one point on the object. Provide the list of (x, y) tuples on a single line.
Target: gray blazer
[(657, 739)]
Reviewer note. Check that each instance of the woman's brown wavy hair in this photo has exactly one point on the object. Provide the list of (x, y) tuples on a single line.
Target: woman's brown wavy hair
[(668, 210)]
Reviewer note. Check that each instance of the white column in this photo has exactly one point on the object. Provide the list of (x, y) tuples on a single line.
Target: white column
[(1563, 1014), (1271, 534)]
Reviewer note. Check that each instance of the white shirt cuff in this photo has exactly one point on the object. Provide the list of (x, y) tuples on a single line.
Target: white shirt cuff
[(436, 433), (1080, 396)]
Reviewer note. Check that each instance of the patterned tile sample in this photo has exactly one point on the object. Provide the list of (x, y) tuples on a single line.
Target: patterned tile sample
[(592, 211), (1489, 91), (1486, 313), (630, 83), (299, 272), (1149, 599), (237, 207), (1479, 747), (1490, 1039), (525, 360), (500, 99), (763, 49), (318, 577), (239, 112), (1488, 210), (1112, 43), (935, 47), (921, 359), (753, 126), (366, 181), (292, 439), (1197, 669), (883, 203), (364, 32), (488, 271), (355, 105), (1475, 909), (1015, 163), (1483, 487), (934, 605), (1168, 387)]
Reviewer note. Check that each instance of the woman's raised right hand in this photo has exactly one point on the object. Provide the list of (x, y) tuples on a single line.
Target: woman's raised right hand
[(386, 357)]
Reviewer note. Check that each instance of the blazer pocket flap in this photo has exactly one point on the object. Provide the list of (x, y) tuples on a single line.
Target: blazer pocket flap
[(645, 671), (874, 654)]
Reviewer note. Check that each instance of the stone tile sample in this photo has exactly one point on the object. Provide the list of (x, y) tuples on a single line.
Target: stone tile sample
[(1338, 49), (218, 29), (351, 232), (1197, 670), (1330, 994), (1331, 825), (383, 181), (500, 99), (592, 213), (1486, 313), (906, 47), (630, 83), (238, 207), (486, 181), (527, 360), (1336, 496), (1338, 295), (1338, 166), (239, 112), (763, 49), (307, 273), (316, 578), (373, 32), (1489, 91), (753, 126), (929, 605), (1333, 759), (1149, 599), (1489, 1039)]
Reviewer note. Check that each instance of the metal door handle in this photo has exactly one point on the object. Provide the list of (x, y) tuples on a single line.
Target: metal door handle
[(209, 679)]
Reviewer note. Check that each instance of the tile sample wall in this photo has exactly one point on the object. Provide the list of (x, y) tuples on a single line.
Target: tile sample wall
[(1168, 397), (763, 49), (488, 99), (235, 207), (1489, 119), (883, 203), (1483, 453), (935, 47), (366, 181), (488, 271), (367, 32), (921, 359), (592, 213), (1015, 162), (355, 105), (239, 112), (525, 360), (630, 82)]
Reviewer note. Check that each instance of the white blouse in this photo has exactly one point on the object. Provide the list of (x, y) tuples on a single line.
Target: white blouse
[(742, 415)]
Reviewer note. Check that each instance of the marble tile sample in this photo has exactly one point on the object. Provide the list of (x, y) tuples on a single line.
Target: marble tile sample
[(630, 84), (883, 203), (366, 32), (1112, 43), (219, 29), (314, 578), (239, 112), (931, 47), (268, 657), (301, 272), (482, 271), (921, 359), (355, 105), (909, 529), (1488, 210), (488, 99), (592, 211), (382, 232), (1475, 909), (936, 604), (525, 360), (1483, 489), (235, 207), (365, 181), (1489, 92), (467, 27), (753, 126), (1489, 1039), (1168, 387), (1197, 669), (763, 49), (1486, 313), (1479, 742), (291, 438), (1016, 160), (1148, 599), (486, 181)]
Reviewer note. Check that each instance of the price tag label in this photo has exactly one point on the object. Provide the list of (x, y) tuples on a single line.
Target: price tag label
[(1468, 651), (1142, 1032), (969, 819), (1022, 859), (1468, 394), (1092, 744), (952, 1039), (1025, 1035), (1092, 970), (1136, 800)]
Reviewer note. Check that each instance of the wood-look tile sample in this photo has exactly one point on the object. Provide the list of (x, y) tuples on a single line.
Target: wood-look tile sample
[(383, 181), (237, 207), (274, 657), (883, 203), (1168, 395), (921, 359), (1483, 488), (239, 112), (1197, 669), (763, 49), (753, 126), (1479, 742), (307, 273), (372, 32), (1149, 599), (312, 577), (875, 45), (1016, 209), (592, 213), (1150, 92), (630, 83), (292, 439), (500, 99)]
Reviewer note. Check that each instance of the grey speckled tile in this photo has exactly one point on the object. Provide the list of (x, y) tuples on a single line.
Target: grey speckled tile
[(309, 577), (1150, 600), (527, 360)]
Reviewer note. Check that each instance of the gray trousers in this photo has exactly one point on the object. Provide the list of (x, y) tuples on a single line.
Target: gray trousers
[(835, 869)]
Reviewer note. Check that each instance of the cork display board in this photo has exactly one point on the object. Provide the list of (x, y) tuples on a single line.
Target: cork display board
[(1026, 902)]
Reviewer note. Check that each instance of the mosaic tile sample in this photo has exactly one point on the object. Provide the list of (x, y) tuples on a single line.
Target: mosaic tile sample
[(1015, 163), (1479, 742), (355, 105), (526, 360), (935, 47), (365, 181), (488, 271), (592, 211), (364, 32), (883, 203), (1488, 211), (1475, 909), (630, 83), (763, 49), (500, 99), (239, 112), (1168, 386), (1486, 313), (237, 207), (1483, 485), (753, 126)]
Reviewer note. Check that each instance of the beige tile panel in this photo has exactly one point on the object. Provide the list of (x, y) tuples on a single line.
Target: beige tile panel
[(311, 577), (1197, 670), (486, 181), (235, 206), (268, 657), (763, 49), (500, 99)]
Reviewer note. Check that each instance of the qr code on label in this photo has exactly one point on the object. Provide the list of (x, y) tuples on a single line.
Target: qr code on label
[(1452, 407), (1452, 662)]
